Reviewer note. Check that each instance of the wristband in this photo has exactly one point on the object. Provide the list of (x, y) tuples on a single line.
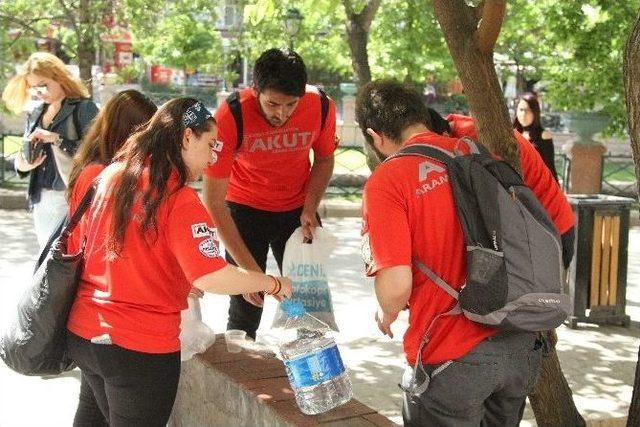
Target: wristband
[(277, 286)]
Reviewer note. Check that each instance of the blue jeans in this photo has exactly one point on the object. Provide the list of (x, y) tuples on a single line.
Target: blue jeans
[(486, 387)]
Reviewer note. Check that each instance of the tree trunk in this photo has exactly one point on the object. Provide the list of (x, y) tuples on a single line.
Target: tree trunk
[(631, 74), (358, 25), (478, 76), (552, 400), (85, 32), (471, 47), (358, 38)]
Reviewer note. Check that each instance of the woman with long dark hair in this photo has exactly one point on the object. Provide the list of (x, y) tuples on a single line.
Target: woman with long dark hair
[(527, 122), (116, 121), (149, 239)]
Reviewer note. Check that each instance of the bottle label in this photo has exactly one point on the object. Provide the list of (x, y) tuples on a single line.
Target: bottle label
[(315, 368)]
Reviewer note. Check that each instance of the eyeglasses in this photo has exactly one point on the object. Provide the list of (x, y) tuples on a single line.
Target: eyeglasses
[(38, 90)]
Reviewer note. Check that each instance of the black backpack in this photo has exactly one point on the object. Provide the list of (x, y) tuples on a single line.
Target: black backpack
[(513, 250), (233, 101)]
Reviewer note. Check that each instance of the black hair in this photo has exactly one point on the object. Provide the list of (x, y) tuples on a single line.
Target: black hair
[(281, 70), (388, 107), (535, 128)]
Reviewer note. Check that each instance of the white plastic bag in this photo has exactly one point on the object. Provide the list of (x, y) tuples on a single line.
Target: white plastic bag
[(195, 336), (306, 265)]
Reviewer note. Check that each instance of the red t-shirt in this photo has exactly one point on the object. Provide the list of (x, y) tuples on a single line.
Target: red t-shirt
[(409, 212), (270, 170), (540, 180), (136, 298)]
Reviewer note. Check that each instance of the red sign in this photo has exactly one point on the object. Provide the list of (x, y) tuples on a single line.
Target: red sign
[(160, 75)]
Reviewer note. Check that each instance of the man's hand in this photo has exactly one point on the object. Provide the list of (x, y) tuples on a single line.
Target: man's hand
[(255, 298), (384, 321), (309, 222)]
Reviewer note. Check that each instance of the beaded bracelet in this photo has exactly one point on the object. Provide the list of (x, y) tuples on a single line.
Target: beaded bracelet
[(277, 286)]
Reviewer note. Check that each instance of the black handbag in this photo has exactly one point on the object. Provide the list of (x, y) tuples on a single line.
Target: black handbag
[(35, 343)]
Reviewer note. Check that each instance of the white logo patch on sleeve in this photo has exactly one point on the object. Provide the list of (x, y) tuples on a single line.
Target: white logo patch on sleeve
[(200, 230), (365, 251), (209, 248)]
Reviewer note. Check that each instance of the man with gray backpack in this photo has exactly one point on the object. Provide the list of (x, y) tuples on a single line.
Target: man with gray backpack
[(475, 251)]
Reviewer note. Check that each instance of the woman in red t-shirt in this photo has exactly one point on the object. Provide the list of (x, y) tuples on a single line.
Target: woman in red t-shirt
[(117, 120), (149, 239)]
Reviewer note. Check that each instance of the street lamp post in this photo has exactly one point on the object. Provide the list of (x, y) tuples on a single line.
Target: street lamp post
[(292, 21)]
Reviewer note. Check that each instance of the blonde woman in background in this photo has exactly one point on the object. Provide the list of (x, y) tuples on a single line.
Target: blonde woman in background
[(53, 131)]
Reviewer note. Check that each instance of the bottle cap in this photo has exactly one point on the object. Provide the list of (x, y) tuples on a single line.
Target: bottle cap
[(292, 308)]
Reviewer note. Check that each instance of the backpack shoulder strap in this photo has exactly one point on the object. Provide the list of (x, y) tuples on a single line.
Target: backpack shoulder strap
[(324, 107), (76, 123), (425, 150), (236, 111), (436, 279)]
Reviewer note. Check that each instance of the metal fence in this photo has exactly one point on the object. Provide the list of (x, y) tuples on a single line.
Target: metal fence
[(351, 170), (619, 176)]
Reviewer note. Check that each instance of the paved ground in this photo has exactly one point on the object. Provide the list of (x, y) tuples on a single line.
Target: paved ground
[(599, 362)]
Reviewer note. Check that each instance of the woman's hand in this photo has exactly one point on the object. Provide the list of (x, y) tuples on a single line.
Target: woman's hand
[(24, 166), (196, 293), (286, 288), (44, 136)]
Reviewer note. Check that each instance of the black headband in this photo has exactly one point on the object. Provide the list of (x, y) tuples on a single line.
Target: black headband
[(195, 115)]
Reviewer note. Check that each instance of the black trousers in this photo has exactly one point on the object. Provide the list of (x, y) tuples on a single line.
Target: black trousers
[(131, 389), (260, 230)]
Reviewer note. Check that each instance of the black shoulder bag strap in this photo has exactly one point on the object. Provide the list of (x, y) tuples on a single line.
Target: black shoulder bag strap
[(324, 107), (80, 210), (233, 101), (66, 226)]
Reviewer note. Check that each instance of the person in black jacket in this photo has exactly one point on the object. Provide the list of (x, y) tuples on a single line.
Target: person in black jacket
[(527, 122), (52, 134)]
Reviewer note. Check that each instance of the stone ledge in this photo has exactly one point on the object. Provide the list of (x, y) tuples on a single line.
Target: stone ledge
[(250, 388), (333, 209), (611, 422), (13, 198)]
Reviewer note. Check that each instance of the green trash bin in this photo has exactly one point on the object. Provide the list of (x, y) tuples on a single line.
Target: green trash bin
[(597, 276)]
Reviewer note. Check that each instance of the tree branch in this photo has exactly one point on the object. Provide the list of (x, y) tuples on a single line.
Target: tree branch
[(490, 24), (369, 12), (348, 8), (28, 25), (70, 15)]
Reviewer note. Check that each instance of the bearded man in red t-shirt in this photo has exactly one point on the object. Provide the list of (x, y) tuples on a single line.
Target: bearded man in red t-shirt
[(409, 213), (264, 186)]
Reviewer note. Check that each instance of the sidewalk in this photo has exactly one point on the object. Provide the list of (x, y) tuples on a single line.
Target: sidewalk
[(599, 362)]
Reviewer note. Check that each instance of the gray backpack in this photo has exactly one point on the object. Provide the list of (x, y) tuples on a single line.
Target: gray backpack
[(514, 252)]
